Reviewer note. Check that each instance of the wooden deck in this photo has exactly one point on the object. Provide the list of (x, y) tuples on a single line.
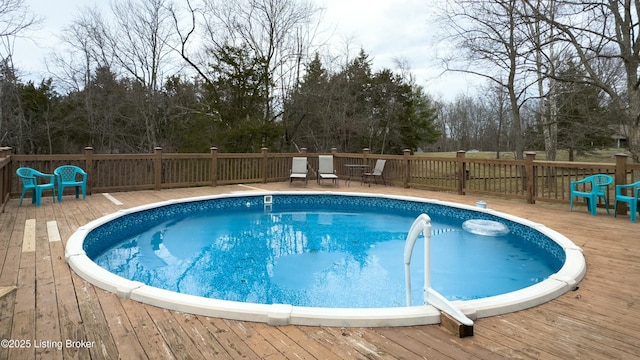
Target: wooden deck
[(54, 314)]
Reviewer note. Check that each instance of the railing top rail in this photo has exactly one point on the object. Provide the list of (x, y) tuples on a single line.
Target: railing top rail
[(573, 164)]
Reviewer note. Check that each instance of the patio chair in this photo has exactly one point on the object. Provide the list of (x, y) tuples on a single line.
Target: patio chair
[(378, 172), (325, 169), (597, 189), (631, 199), (71, 176), (298, 169), (35, 181)]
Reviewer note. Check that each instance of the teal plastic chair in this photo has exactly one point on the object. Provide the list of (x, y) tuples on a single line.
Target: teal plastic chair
[(631, 199), (71, 176), (597, 189), (35, 181)]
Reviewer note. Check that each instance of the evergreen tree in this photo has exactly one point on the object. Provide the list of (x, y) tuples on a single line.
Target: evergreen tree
[(238, 97)]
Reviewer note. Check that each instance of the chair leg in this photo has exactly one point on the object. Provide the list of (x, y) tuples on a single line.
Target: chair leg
[(60, 192), (593, 205), (38, 196), (22, 197)]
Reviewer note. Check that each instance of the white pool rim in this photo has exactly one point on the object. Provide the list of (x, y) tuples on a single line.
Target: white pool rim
[(564, 280)]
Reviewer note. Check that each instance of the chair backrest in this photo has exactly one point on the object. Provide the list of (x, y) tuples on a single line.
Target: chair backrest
[(27, 176), (299, 165), (600, 182), (325, 164), (379, 167), (67, 172)]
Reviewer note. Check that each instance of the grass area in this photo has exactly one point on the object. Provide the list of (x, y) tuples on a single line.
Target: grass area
[(596, 155)]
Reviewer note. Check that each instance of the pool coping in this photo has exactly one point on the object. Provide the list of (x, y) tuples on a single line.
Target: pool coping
[(564, 280)]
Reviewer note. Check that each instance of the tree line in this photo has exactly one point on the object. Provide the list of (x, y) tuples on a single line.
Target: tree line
[(246, 74), (573, 63)]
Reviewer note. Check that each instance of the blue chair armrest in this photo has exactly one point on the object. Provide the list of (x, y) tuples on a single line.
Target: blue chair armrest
[(582, 181), (51, 177), (635, 185), (625, 186), (574, 184)]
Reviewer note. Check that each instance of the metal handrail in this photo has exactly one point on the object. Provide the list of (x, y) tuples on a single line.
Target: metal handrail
[(422, 225)]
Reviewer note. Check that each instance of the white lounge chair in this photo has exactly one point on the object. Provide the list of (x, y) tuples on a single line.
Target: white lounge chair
[(325, 169), (376, 173), (299, 170)]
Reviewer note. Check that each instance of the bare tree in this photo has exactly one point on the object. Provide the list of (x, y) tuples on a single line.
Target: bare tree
[(544, 57), (604, 32), (134, 42), (15, 19), (278, 31), (497, 101), (495, 45), (140, 43)]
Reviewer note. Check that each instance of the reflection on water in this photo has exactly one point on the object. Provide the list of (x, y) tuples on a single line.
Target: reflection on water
[(319, 258)]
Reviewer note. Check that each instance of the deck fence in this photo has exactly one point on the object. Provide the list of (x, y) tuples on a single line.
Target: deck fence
[(528, 179)]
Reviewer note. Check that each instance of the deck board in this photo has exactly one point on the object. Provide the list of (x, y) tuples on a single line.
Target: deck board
[(234, 345), (599, 320), (121, 329), (206, 341), (174, 336), (148, 335)]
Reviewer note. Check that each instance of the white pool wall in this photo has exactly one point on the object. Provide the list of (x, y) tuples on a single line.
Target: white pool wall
[(564, 280)]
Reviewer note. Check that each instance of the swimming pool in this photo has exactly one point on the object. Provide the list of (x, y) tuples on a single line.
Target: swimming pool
[(89, 243)]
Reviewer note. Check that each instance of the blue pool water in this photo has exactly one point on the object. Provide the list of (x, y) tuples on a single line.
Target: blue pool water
[(319, 251)]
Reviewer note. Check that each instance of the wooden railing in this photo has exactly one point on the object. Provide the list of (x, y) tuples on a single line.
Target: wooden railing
[(529, 179)]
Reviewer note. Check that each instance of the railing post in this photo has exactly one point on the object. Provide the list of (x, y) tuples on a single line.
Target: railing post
[(621, 179), (88, 168), (265, 163), (406, 154), (213, 172), (5, 153), (530, 176), (157, 166), (462, 174)]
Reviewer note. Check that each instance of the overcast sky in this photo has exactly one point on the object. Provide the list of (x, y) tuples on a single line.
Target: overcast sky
[(385, 29)]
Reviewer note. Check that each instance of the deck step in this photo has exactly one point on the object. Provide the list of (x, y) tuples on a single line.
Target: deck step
[(454, 326), (6, 290)]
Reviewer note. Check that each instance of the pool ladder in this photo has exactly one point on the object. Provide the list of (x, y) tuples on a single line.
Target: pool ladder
[(422, 225)]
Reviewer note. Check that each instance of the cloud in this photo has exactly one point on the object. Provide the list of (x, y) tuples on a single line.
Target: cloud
[(389, 30)]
